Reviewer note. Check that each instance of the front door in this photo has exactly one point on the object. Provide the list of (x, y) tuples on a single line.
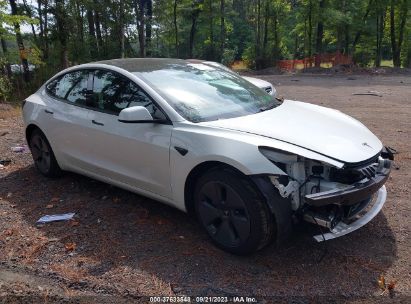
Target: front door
[(136, 154)]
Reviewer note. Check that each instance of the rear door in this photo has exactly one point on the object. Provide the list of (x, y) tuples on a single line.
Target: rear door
[(67, 101), (135, 154)]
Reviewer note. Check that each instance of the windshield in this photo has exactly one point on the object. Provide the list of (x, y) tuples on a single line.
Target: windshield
[(199, 92)]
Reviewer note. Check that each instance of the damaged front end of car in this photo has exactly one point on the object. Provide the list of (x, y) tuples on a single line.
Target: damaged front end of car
[(340, 199)]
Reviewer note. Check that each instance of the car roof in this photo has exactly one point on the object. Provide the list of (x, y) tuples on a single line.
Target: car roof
[(142, 64)]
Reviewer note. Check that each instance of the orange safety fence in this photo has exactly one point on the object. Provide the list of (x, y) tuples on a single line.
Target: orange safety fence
[(322, 60)]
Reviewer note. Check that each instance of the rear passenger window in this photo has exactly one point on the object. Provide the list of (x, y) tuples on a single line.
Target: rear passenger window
[(71, 87)]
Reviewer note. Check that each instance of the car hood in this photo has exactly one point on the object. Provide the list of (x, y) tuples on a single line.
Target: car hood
[(319, 129)]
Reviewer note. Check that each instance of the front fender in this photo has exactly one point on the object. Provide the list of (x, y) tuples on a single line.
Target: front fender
[(204, 146)]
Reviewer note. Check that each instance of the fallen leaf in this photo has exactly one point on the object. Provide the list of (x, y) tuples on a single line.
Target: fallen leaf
[(54, 200), (116, 200), (49, 206), (392, 284), (74, 223), (381, 282), (70, 246), (8, 232)]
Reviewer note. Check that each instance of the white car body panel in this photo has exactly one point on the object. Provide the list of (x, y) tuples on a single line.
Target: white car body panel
[(315, 128), (241, 152), (135, 154), (108, 153)]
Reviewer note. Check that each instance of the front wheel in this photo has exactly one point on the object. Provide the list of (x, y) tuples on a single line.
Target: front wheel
[(43, 155), (233, 212)]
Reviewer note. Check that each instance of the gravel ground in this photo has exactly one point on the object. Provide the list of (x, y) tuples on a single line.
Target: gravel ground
[(122, 246)]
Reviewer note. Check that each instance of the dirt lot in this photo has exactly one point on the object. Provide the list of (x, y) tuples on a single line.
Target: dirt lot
[(122, 246)]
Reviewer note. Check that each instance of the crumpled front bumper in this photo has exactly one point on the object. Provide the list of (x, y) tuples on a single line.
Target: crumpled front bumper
[(342, 228), (351, 194), (372, 191)]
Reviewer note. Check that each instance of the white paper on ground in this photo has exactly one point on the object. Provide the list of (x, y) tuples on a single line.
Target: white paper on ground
[(55, 218)]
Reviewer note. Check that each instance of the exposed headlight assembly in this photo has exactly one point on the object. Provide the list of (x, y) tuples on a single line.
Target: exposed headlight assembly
[(293, 167)]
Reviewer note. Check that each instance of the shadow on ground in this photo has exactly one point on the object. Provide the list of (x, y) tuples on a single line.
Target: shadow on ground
[(135, 245)]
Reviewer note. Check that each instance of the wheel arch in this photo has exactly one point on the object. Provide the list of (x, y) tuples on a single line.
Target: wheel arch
[(193, 176), (280, 207), (30, 129)]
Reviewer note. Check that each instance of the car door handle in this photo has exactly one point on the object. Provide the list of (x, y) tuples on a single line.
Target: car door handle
[(48, 111), (97, 123)]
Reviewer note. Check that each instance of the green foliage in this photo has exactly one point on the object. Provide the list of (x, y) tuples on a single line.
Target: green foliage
[(5, 84), (260, 32), (228, 57)]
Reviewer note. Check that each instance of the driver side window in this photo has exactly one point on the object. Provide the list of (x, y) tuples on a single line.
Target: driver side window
[(113, 92)]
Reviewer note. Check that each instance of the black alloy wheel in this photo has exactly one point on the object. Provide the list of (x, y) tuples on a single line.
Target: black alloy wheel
[(43, 155), (224, 213), (232, 211)]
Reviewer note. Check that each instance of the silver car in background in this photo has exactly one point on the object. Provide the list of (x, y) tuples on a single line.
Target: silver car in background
[(262, 84)]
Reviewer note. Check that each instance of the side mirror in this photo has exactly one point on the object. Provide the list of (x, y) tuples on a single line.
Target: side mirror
[(135, 114)]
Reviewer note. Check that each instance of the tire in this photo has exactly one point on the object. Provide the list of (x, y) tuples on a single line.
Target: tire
[(233, 212), (43, 156)]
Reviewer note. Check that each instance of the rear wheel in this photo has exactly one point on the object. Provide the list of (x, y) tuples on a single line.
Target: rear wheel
[(232, 212), (43, 155)]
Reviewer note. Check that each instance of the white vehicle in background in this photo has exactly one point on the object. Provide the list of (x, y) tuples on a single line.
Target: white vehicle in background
[(210, 143), (18, 68), (262, 84)]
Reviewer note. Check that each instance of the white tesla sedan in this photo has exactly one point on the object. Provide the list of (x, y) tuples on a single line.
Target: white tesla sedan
[(210, 143)]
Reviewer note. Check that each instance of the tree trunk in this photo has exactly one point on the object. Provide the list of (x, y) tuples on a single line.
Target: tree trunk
[(175, 27), (403, 16), (258, 33), (149, 26), (276, 37), (364, 19), (122, 45), (139, 11), (20, 44), (98, 26), (266, 18), (40, 13), (92, 34), (29, 14), (222, 27), (60, 16), (396, 46), (41, 26), (320, 36), (79, 23), (380, 33), (211, 16), (194, 16), (5, 52), (310, 30), (46, 34)]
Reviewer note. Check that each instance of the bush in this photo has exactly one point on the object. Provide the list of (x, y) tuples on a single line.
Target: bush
[(5, 84)]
